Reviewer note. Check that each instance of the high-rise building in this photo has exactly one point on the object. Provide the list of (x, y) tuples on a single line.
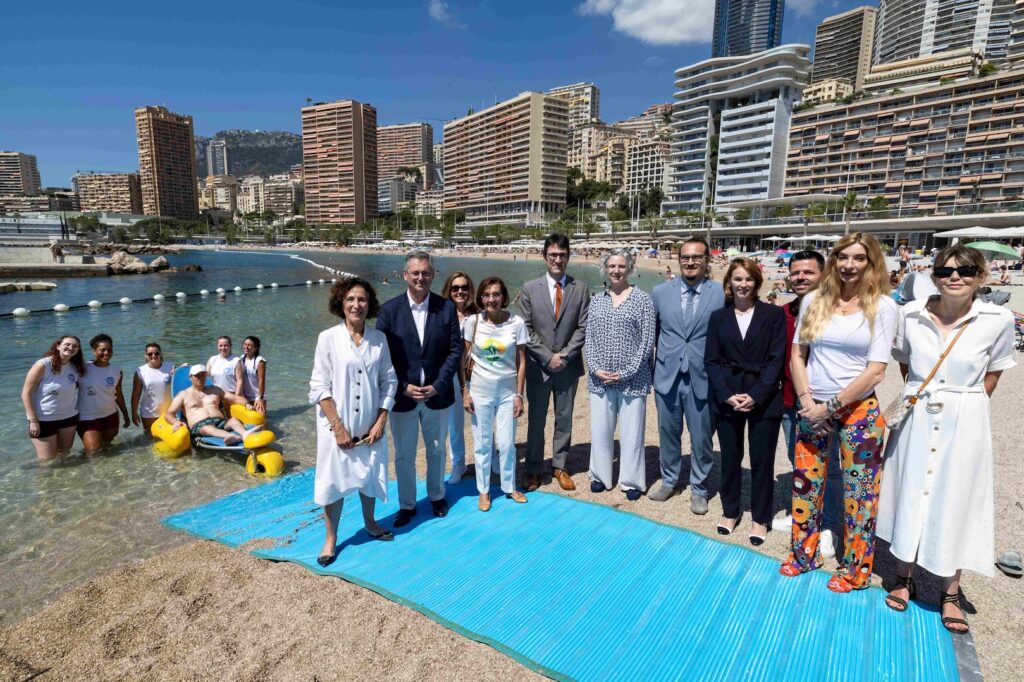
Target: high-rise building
[(586, 141), (19, 174), (282, 196), (393, 192), (906, 29), (219, 192), (743, 27), (217, 158), (167, 163), (932, 149), (108, 192), (843, 45), (507, 163), (645, 166), (925, 71), (745, 103), (339, 162), (408, 145), (251, 197), (609, 162), (584, 100)]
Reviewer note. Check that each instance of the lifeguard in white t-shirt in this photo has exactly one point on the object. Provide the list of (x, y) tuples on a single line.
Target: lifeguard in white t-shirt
[(220, 368)]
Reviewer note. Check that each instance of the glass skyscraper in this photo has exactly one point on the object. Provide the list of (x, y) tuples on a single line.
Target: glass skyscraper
[(746, 26)]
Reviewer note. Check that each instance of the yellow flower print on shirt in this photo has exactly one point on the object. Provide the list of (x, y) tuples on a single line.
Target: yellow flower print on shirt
[(493, 349)]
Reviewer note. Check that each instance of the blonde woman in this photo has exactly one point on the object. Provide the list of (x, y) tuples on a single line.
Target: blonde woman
[(843, 341)]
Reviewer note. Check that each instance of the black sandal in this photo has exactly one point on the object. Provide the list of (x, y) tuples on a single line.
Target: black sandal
[(949, 620), (901, 604)]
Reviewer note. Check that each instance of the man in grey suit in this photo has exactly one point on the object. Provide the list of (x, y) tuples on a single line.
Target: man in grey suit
[(684, 307), (555, 310)]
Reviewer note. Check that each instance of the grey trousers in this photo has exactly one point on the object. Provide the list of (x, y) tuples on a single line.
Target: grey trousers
[(672, 409), (538, 394), (405, 432)]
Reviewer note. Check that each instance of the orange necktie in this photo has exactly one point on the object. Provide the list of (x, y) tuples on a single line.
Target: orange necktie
[(558, 298)]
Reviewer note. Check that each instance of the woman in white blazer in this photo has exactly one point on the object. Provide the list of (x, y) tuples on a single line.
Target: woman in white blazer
[(353, 384)]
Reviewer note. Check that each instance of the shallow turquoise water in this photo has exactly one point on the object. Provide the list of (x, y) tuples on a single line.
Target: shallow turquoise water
[(80, 518)]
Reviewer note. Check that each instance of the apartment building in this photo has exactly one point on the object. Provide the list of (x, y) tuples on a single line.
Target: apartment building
[(282, 195), (19, 174), (339, 162), (167, 163), (430, 202), (217, 158), (744, 27), (251, 196), (931, 149), (584, 100), (745, 103), (108, 192), (20, 203), (507, 163), (609, 162), (392, 192), (827, 91), (219, 192), (924, 71), (409, 145), (842, 47), (655, 121), (906, 29), (586, 141), (645, 167)]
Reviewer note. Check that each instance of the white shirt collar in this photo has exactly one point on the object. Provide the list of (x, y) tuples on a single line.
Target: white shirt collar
[(552, 281), (417, 306)]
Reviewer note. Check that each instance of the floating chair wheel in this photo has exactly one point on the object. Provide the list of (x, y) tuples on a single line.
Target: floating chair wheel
[(265, 463)]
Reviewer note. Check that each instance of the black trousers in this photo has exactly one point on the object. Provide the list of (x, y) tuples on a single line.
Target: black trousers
[(763, 437)]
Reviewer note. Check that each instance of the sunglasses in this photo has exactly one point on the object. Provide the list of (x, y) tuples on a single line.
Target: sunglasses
[(943, 272), (459, 287), (152, 355)]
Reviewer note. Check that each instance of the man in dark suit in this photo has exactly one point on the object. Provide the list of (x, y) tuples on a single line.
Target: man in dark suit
[(423, 335), (555, 310)]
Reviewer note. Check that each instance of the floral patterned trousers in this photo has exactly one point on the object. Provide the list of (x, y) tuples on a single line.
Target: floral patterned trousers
[(860, 429)]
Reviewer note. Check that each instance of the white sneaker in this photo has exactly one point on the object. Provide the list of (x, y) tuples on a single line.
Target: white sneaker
[(783, 523), (827, 544), (457, 474)]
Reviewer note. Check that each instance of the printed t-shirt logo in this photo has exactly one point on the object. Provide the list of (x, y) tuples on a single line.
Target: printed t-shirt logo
[(72, 378), (493, 350), (110, 381)]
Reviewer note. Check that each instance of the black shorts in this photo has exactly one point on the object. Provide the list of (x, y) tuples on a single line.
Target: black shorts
[(108, 423), (50, 428)]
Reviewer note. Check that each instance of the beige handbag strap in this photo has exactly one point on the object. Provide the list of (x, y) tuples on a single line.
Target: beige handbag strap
[(924, 384)]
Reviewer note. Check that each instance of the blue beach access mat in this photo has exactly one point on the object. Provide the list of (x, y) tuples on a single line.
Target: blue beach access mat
[(581, 591)]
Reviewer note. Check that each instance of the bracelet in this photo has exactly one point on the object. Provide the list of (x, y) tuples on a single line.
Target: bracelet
[(334, 423)]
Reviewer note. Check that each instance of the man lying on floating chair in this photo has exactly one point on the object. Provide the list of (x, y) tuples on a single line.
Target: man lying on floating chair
[(201, 405)]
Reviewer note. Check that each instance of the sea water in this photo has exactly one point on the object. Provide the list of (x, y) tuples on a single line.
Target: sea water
[(82, 517)]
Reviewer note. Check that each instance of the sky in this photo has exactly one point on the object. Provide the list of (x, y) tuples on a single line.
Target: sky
[(73, 72)]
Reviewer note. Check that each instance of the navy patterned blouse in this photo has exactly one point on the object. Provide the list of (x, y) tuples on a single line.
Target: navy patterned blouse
[(621, 340)]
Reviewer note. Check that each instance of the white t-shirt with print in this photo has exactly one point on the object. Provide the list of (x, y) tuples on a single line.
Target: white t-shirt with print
[(494, 353)]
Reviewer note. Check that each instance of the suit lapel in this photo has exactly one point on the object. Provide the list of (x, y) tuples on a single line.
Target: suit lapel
[(702, 304), (406, 312), (429, 324), (732, 329), (756, 322)]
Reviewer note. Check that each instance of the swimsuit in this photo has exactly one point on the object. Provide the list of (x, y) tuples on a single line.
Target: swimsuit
[(216, 422)]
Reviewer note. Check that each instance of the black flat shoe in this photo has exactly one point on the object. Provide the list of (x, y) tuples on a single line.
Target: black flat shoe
[(597, 487), (440, 508), (756, 540), (403, 517), (725, 530), (326, 560), (386, 536)]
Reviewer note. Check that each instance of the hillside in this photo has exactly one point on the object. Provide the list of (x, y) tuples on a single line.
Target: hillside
[(254, 152)]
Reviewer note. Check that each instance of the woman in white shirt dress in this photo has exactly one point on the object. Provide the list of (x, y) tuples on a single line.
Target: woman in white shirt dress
[(936, 506), (353, 384)]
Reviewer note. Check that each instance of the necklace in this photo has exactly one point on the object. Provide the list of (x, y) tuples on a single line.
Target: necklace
[(845, 307)]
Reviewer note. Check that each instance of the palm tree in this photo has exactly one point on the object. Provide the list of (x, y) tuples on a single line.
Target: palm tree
[(849, 203)]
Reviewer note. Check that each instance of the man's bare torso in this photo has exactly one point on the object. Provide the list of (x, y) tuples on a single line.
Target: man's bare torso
[(199, 405)]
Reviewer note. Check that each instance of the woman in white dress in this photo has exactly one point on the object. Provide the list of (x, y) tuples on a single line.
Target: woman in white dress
[(496, 341), (459, 289), (251, 374), (151, 387), (353, 384), (936, 506)]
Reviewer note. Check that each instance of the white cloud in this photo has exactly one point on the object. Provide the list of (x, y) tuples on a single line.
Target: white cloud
[(802, 8), (658, 22), (439, 12)]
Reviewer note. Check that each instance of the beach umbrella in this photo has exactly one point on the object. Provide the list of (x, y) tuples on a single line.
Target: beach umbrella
[(992, 250)]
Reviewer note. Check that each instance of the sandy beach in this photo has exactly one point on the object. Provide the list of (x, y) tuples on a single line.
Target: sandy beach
[(204, 610)]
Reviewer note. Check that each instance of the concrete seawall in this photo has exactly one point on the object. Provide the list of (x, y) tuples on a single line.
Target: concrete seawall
[(48, 270)]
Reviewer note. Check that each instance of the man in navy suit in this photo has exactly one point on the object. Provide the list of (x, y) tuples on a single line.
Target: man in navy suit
[(423, 335), (684, 306)]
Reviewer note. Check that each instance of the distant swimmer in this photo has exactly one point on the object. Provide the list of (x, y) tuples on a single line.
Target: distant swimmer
[(201, 405), (251, 375), (151, 386), (100, 397), (50, 397), (384, 281), (221, 367)]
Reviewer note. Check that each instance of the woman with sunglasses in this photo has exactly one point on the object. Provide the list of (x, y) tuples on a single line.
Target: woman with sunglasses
[(936, 507), (841, 348), (151, 386), (50, 397), (459, 289)]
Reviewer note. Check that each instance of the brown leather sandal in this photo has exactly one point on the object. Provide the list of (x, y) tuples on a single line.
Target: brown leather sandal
[(898, 604), (949, 620)]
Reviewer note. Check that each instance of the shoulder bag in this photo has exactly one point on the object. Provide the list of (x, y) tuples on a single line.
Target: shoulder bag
[(895, 413), (470, 362)]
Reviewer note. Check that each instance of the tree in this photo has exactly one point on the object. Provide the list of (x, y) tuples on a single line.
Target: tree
[(878, 203), (120, 235), (782, 211), (742, 214), (652, 201), (849, 203), (617, 214), (987, 69), (229, 233), (269, 237)]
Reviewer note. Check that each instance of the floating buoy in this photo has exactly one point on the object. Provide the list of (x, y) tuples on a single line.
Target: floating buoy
[(220, 290), (333, 280), (204, 292), (320, 281), (238, 290), (273, 285), (158, 297), (20, 312), (61, 308), (259, 287), (125, 300), (309, 282), (94, 304), (181, 295)]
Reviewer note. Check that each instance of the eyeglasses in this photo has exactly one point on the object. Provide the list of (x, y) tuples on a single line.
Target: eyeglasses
[(943, 272), (459, 287), (691, 259), (557, 255)]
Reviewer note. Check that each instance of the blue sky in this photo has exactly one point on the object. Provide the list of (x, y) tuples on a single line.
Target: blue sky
[(72, 72)]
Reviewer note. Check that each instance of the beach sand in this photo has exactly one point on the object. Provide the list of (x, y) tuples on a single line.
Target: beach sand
[(204, 610)]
